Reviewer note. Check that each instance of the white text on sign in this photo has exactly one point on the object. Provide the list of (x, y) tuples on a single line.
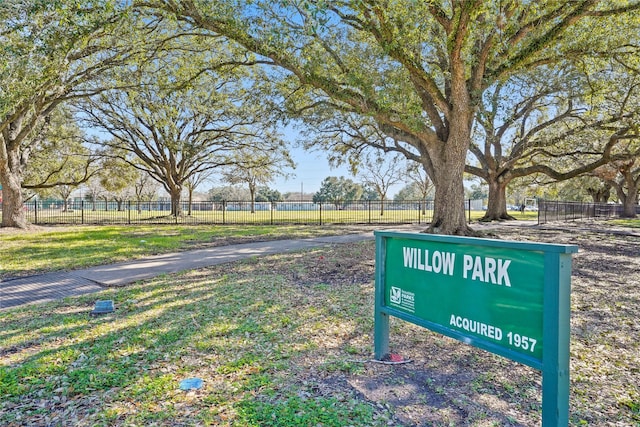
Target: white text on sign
[(478, 268)]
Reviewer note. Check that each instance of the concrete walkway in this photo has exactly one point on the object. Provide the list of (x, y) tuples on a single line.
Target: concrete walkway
[(58, 285)]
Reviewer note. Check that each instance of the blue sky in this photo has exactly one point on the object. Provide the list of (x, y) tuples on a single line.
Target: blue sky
[(311, 169)]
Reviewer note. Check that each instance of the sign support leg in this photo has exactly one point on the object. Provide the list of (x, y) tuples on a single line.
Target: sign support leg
[(555, 399), (381, 335), (380, 319), (556, 337)]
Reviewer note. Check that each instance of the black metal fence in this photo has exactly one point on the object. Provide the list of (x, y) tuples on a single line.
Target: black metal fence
[(553, 210), (58, 212), (43, 212)]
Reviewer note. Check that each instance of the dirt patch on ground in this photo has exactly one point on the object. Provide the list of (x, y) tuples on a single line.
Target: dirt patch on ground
[(31, 228), (449, 383)]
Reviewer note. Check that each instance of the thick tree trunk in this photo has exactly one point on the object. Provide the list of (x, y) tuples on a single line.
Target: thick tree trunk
[(176, 208), (630, 203), (448, 161), (629, 198), (449, 213), (252, 195), (13, 213), (497, 203)]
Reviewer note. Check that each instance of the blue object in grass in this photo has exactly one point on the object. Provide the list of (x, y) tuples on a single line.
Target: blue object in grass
[(103, 307), (191, 384)]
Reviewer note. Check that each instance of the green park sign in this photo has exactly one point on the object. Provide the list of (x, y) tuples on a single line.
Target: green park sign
[(509, 298)]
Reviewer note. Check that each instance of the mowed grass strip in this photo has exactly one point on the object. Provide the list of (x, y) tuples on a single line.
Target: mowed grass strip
[(66, 248), (628, 223)]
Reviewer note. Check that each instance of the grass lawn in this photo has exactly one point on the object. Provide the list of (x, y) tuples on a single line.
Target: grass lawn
[(630, 223), (232, 217), (286, 340), (262, 342)]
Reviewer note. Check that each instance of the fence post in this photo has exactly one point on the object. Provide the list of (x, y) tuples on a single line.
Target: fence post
[(129, 212), (369, 211), (546, 209), (82, 212), (581, 209), (469, 210), (320, 213), (224, 211), (539, 209), (35, 211), (271, 205)]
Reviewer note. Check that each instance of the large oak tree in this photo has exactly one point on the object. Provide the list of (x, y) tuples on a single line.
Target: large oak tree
[(541, 124), (59, 157), (49, 51), (183, 115), (624, 177)]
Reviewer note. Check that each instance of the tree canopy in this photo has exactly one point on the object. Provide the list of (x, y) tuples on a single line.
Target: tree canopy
[(339, 191), (186, 85), (255, 167), (50, 50), (418, 69), (379, 174), (181, 118)]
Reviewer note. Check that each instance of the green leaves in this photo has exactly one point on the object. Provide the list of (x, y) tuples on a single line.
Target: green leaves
[(339, 191)]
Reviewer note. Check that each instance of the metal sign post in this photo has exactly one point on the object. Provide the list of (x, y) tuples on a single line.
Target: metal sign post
[(509, 298)]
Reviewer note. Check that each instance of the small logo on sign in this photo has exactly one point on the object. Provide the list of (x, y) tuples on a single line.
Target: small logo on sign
[(402, 299), (396, 295)]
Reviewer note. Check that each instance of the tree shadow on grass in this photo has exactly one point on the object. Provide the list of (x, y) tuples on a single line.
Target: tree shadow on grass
[(263, 333)]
